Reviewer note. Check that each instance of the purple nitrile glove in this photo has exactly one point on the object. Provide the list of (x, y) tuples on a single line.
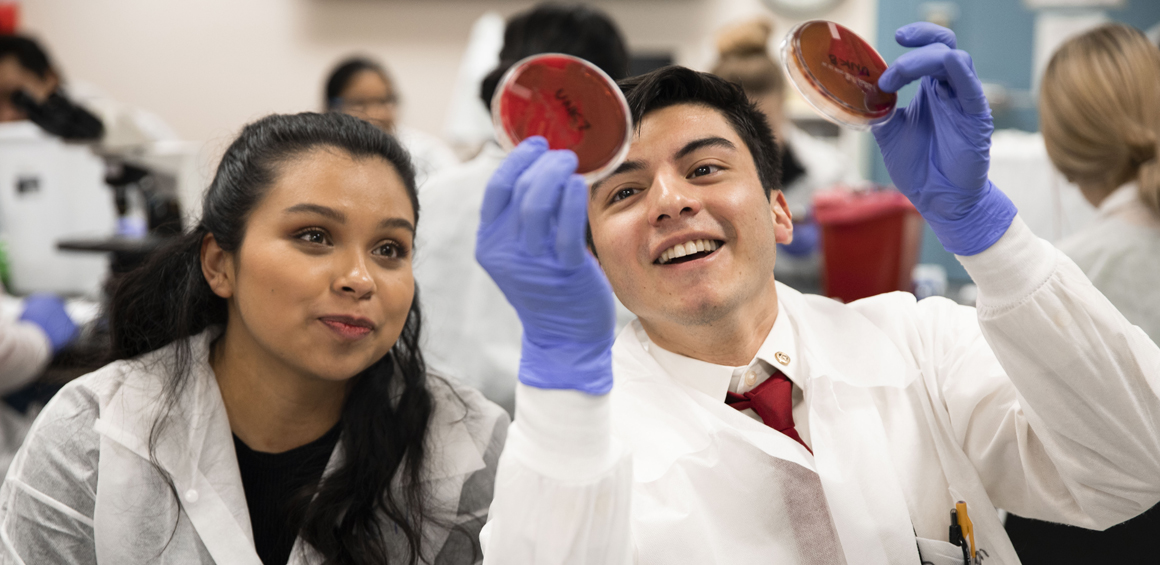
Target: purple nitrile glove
[(805, 239), (531, 241), (937, 149), (47, 311)]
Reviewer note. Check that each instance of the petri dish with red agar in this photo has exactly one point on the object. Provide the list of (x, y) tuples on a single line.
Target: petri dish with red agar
[(837, 73), (571, 103)]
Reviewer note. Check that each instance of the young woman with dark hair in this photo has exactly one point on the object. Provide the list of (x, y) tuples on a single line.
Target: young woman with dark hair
[(267, 402)]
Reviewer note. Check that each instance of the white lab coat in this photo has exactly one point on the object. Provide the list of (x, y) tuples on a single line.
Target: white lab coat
[(470, 330), (429, 154), (1120, 252), (82, 489), (1043, 401)]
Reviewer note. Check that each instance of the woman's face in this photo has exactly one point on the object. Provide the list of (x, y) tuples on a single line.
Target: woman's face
[(368, 96), (322, 284)]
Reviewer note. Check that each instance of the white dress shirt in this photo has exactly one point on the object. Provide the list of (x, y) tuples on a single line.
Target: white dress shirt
[(777, 352)]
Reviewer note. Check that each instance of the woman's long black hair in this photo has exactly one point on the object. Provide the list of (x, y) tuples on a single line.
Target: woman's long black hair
[(386, 413)]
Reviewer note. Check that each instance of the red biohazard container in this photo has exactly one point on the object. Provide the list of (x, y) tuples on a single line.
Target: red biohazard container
[(870, 242), (9, 17)]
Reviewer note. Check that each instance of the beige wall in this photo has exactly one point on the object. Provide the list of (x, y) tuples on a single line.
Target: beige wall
[(208, 66)]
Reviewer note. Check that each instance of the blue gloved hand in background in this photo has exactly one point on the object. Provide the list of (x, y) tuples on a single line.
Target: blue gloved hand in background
[(937, 149), (531, 242), (47, 311), (805, 239)]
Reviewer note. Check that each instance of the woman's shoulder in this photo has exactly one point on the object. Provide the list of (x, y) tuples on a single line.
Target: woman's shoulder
[(454, 404)]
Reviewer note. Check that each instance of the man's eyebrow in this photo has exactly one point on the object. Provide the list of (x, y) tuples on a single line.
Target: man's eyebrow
[(317, 209), (703, 143), (398, 223), (625, 167)]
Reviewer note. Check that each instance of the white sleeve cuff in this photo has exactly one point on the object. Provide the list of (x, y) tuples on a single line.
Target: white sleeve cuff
[(1012, 269), (563, 434)]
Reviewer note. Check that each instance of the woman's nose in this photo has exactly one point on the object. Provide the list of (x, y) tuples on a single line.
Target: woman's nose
[(355, 279)]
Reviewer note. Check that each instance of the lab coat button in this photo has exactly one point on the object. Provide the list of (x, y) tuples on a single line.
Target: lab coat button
[(191, 496), (781, 358)]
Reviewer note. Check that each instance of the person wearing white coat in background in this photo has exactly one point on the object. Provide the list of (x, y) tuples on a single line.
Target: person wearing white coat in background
[(471, 330), (362, 88), (1041, 400), (1102, 135), (269, 403)]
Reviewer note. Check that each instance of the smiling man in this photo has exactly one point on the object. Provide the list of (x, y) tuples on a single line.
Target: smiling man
[(752, 424)]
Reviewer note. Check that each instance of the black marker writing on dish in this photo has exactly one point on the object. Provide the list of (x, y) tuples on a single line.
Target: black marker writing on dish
[(574, 114), (849, 66)]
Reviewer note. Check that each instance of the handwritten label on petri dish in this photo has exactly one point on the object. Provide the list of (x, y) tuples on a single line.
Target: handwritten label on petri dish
[(568, 102)]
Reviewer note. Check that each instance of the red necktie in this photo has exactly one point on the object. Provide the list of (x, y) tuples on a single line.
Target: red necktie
[(772, 400)]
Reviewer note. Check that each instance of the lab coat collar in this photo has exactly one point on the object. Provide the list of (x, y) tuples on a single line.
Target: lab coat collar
[(844, 356), (1125, 196), (713, 380), (195, 447)]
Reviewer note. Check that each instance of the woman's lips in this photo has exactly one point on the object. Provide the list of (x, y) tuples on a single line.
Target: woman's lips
[(348, 327)]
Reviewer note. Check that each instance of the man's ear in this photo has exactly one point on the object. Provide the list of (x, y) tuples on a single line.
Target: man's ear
[(217, 265), (782, 218)]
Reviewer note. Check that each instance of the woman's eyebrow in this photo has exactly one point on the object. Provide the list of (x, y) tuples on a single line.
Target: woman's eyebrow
[(398, 223), (317, 209)]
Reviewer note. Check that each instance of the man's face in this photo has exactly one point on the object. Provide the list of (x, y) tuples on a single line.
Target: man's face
[(689, 179)]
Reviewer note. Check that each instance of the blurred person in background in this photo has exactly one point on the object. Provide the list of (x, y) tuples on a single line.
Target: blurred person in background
[(808, 164), (30, 89), (1099, 108), (268, 402), (473, 333), (362, 88)]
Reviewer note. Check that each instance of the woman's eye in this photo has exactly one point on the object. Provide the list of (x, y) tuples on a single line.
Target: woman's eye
[(313, 236), (622, 194), (703, 170), (389, 250)]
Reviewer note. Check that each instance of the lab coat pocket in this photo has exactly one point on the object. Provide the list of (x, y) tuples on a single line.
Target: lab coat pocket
[(934, 552)]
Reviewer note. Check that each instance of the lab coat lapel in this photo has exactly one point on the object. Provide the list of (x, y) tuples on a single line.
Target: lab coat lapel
[(196, 449), (845, 355)]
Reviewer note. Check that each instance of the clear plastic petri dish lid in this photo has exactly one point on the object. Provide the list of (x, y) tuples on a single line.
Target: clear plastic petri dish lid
[(571, 103), (837, 73)]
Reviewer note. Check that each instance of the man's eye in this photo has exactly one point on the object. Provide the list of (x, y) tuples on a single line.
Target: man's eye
[(317, 237), (704, 170), (623, 193)]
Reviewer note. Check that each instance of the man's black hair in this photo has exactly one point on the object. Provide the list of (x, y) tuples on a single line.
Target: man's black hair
[(674, 85), (28, 52), (573, 29)]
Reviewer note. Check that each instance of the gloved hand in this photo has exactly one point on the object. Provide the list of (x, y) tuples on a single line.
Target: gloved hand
[(531, 242), (937, 149), (47, 311), (805, 239)]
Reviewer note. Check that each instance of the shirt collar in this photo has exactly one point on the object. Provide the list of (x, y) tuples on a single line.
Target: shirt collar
[(779, 350), (1119, 198)]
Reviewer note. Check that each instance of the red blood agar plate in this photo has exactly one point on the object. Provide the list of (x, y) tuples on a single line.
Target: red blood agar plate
[(571, 103), (837, 73)]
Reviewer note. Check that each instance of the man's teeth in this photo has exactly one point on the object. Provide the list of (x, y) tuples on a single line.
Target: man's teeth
[(687, 248)]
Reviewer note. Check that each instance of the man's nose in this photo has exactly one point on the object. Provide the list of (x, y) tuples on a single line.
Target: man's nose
[(672, 198)]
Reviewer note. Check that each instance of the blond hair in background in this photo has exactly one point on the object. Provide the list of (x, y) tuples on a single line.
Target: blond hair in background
[(1099, 107), (744, 58)]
